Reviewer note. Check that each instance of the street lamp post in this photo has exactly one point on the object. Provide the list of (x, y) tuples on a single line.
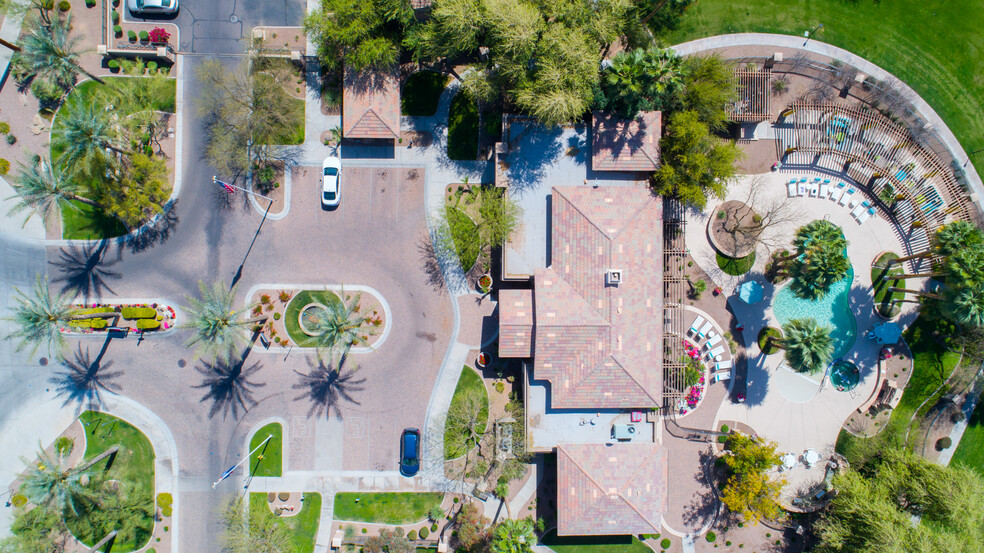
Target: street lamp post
[(809, 34), (229, 472)]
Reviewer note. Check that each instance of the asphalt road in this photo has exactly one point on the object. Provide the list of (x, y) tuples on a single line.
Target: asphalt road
[(221, 26)]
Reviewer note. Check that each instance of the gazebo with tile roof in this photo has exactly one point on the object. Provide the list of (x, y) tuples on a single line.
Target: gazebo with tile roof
[(611, 490), (625, 144), (371, 104)]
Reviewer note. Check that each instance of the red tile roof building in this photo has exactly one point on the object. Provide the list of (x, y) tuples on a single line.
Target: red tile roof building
[(625, 145), (371, 104), (516, 323), (605, 490)]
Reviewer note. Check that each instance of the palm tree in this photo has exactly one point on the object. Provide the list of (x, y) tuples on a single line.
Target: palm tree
[(326, 385), (218, 327), (52, 53), (813, 235), (341, 328), (642, 80), (809, 346), (821, 266), (966, 305), (39, 318), (41, 187), (949, 239), (83, 134), (513, 536), (51, 484)]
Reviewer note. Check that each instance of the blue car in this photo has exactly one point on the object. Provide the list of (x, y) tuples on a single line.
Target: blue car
[(410, 452)]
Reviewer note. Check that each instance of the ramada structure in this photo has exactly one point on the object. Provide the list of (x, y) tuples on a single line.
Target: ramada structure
[(592, 325), (371, 105)]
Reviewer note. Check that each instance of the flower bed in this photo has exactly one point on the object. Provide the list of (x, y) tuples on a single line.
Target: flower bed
[(132, 317), (696, 392), (284, 309)]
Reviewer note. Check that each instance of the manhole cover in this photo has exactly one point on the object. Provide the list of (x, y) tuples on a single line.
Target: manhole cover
[(234, 18)]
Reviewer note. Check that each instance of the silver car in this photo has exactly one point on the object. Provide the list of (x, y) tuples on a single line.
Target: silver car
[(152, 6)]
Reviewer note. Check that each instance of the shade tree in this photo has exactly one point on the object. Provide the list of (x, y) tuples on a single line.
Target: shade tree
[(750, 491)]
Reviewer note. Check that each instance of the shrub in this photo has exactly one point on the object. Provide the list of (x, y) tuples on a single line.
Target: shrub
[(456, 500), (434, 527), (98, 324), (64, 5), (665, 544), (365, 530), (47, 92), (90, 3), (117, 30), (18, 500), (151, 66), (724, 428), (283, 496), (144, 36), (167, 511), (159, 35), (116, 16), (132, 35), (164, 500), (130, 313), (4, 166), (64, 445), (710, 537), (113, 64), (276, 316), (4, 127), (943, 443), (412, 535), (424, 532), (11, 139), (148, 324), (499, 387)]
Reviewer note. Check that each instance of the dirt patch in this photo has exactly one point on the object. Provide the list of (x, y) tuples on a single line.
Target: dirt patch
[(733, 229)]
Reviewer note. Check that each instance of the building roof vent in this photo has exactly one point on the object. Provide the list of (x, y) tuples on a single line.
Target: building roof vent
[(613, 277)]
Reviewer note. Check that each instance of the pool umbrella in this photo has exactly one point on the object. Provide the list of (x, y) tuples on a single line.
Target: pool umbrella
[(750, 292), (888, 333)]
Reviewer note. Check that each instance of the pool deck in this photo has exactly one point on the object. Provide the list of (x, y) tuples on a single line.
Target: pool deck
[(783, 406)]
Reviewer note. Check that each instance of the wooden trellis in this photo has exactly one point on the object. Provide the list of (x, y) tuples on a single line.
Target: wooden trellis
[(754, 95), (674, 295)]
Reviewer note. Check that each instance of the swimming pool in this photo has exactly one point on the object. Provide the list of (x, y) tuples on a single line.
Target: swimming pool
[(832, 311)]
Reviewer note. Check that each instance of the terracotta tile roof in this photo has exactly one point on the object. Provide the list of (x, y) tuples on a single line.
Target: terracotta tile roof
[(623, 145), (371, 104), (420, 4), (516, 323), (600, 345), (616, 489)]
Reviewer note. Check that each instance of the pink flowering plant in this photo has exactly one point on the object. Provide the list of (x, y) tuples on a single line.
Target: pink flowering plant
[(159, 36)]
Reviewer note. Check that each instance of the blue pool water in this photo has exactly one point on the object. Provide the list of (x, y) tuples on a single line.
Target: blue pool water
[(832, 311)]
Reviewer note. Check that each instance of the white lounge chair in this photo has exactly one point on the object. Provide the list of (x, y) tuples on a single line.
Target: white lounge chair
[(697, 322), (704, 329), (712, 341), (715, 353), (724, 365), (846, 196), (837, 192), (792, 189), (857, 211), (804, 189), (722, 376), (865, 215), (824, 190), (814, 188)]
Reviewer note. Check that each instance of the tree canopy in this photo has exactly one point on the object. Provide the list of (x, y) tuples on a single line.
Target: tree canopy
[(750, 491), (809, 346), (905, 505), (640, 80), (359, 34)]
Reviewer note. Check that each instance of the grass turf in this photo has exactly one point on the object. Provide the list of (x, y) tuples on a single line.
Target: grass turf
[(464, 233), (736, 266), (422, 93), (933, 46), (133, 463), (970, 450), (301, 299), (932, 366), (594, 544), (272, 462), (456, 442), (880, 284), (463, 128), (304, 524), (385, 508), (89, 223)]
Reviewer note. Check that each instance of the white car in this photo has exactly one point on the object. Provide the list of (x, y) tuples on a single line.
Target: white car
[(331, 184), (152, 6)]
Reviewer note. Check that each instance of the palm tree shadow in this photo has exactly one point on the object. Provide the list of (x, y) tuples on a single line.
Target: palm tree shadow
[(84, 380), (325, 386), (228, 384), (84, 271)]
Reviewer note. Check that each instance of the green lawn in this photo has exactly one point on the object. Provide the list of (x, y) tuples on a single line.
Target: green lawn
[(385, 508), (880, 284), (933, 365), (594, 544), (464, 233), (736, 266), (88, 223), (970, 450), (301, 299), (456, 441), (133, 463), (304, 524), (272, 462), (463, 128), (932, 45), (422, 93)]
